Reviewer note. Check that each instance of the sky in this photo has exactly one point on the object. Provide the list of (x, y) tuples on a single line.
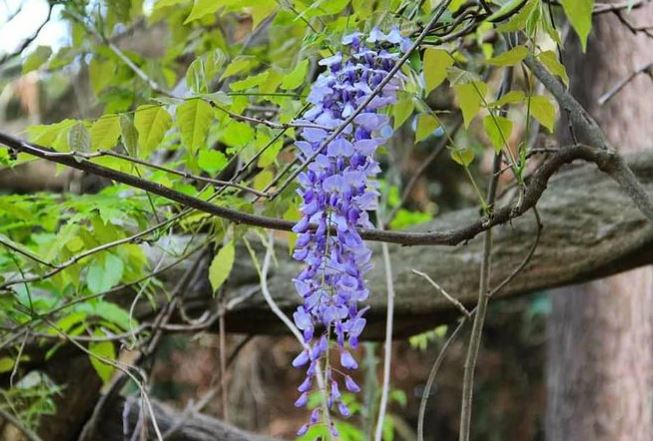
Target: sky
[(32, 14)]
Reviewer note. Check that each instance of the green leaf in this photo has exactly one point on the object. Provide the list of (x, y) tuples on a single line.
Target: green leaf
[(470, 97), (238, 65), (105, 132), (506, 10), (550, 60), (195, 76), (36, 58), (402, 110), (250, 81), (388, 429), (194, 119), (463, 157), (260, 10), (160, 4), (129, 134), (436, 65), (543, 111), (296, 77), (512, 97), (518, 21), (237, 134), (202, 8), (510, 58), (105, 350), (104, 273), (211, 161), (426, 125), (78, 138), (6, 364), (100, 73), (579, 13), (5, 240), (151, 122), (263, 179), (221, 266), (498, 129)]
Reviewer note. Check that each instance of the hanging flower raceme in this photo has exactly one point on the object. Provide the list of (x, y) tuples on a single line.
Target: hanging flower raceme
[(338, 190)]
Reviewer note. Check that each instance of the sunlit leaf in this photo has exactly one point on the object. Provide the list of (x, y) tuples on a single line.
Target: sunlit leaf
[(36, 58), (579, 13), (104, 273), (402, 110), (470, 98), (100, 351), (498, 129), (151, 122), (194, 118), (105, 132), (463, 156), (436, 65), (543, 111), (79, 139), (202, 8), (221, 266), (128, 134), (296, 77), (426, 125), (510, 58), (238, 65), (512, 97), (550, 60), (211, 161)]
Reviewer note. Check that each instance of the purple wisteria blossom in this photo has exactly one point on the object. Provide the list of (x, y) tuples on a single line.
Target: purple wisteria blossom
[(338, 190)]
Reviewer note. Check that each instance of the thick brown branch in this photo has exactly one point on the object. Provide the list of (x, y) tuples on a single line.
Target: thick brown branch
[(590, 230), (606, 160)]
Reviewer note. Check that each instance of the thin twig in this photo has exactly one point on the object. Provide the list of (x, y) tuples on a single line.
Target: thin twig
[(446, 295), (607, 96), (431, 379), (440, 358), (29, 39), (387, 345)]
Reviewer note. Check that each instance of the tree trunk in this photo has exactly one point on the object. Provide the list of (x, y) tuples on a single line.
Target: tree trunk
[(600, 368)]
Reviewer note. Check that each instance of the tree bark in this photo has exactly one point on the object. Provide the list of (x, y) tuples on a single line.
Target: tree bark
[(600, 368)]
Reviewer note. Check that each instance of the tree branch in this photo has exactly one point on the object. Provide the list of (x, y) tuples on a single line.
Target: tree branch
[(607, 160)]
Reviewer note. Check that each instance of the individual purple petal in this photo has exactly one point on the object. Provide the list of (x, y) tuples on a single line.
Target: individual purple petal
[(375, 36), (302, 430), (315, 416), (351, 38), (371, 121), (302, 319), (340, 147), (302, 400), (329, 61), (335, 394), (351, 385), (344, 410), (347, 361), (306, 385), (333, 183), (301, 359), (312, 134), (394, 36), (305, 147)]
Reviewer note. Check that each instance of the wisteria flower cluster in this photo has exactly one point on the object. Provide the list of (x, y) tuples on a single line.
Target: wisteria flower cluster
[(338, 191)]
